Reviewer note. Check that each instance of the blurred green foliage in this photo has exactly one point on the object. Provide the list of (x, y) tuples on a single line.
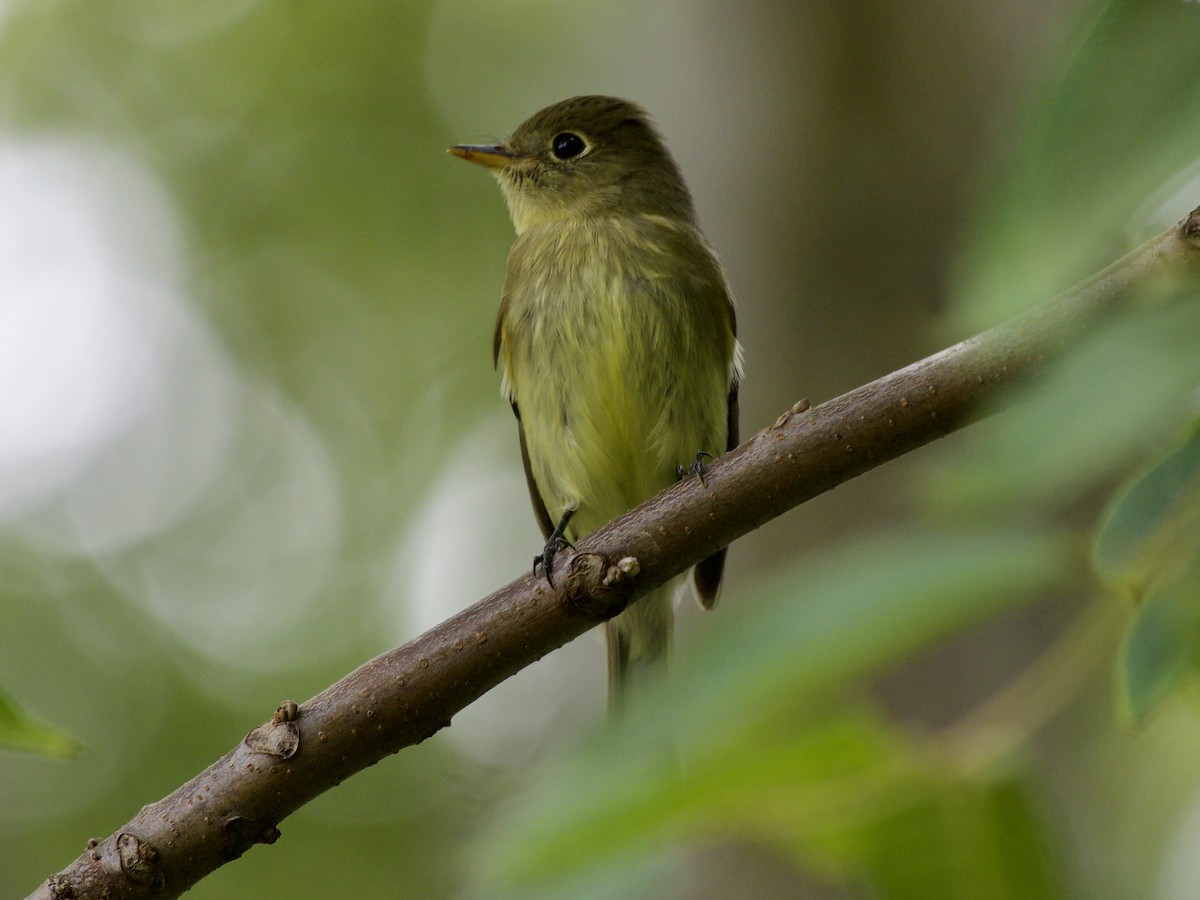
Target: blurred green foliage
[(1149, 548), (1107, 136), (21, 731), (761, 756), (351, 271)]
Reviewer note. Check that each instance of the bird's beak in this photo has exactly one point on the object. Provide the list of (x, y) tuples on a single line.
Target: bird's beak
[(494, 156)]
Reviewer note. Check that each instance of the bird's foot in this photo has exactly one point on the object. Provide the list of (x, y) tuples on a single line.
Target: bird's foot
[(696, 468), (555, 544)]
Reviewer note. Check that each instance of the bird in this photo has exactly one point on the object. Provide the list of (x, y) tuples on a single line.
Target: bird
[(617, 341)]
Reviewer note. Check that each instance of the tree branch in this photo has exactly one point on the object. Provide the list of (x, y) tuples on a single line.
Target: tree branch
[(404, 696)]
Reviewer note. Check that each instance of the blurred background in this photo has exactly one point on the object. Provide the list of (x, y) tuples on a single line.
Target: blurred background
[(251, 436)]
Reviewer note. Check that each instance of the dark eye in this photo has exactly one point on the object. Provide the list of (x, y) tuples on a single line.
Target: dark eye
[(567, 145)]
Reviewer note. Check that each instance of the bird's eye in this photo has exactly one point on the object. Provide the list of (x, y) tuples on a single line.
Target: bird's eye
[(567, 145)]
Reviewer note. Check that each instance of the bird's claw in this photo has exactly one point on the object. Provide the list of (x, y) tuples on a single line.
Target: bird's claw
[(696, 468), (555, 545)]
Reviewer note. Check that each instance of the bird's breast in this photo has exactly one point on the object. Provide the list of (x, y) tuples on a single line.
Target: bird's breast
[(617, 356)]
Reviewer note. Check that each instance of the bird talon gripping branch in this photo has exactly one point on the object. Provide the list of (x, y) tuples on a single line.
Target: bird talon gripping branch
[(696, 468)]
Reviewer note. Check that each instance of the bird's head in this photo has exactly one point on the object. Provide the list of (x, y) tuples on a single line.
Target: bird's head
[(586, 156)]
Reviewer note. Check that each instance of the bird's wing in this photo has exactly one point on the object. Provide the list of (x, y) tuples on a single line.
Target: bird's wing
[(535, 496)]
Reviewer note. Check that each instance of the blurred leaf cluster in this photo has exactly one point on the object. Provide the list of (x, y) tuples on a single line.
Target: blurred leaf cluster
[(1149, 548), (778, 747)]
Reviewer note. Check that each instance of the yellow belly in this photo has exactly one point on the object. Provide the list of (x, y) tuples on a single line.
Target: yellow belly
[(620, 371)]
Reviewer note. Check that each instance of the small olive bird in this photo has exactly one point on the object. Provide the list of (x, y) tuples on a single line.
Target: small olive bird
[(617, 334)]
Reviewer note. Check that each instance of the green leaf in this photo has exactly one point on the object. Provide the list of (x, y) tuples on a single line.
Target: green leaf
[(847, 797), (854, 799), (1161, 651), (971, 841), (1112, 127), (851, 613), (20, 731), (1153, 525), (1101, 405), (801, 641)]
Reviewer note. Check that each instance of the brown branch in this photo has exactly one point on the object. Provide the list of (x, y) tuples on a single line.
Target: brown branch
[(404, 696)]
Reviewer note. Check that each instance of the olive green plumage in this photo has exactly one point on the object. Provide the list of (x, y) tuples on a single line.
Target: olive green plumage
[(616, 333)]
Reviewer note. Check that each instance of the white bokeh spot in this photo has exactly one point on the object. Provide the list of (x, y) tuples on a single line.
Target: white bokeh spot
[(124, 420)]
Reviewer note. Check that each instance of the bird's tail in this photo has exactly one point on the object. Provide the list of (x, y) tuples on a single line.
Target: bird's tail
[(639, 644)]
